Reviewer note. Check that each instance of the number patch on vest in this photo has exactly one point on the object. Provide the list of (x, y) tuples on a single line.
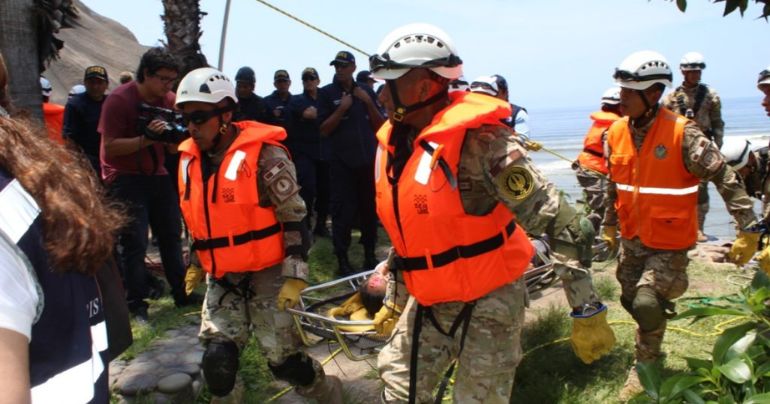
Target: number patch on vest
[(516, 182)]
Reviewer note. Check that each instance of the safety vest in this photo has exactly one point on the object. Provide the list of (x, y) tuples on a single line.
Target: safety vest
[(231, 232), (656, 195), (592, 156), (445, 254)]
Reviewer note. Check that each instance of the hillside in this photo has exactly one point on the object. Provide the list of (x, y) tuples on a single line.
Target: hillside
[(96, 40)]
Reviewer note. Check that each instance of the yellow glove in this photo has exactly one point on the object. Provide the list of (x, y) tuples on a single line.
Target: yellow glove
[(347, 308), (744, 247), (385, 320), (591, 336), (764, 260), (610, 235), (288, 297), (192, 278)]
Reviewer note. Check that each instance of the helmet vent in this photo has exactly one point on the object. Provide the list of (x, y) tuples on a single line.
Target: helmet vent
[(204, 88)]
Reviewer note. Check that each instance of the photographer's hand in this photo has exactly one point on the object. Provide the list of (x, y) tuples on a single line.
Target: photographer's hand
[(156, 126)]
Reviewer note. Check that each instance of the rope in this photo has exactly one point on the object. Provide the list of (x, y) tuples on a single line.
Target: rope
[(288, 389), (313, 27)]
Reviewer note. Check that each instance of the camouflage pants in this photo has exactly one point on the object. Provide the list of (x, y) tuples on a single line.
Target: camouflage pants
[(664, 271), (228, 316), (487, 364), (576, 281), (595, 187), (703, 203)]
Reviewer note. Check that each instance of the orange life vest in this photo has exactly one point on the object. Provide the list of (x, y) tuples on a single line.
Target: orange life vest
[(445, 254), (54, 121), (656, 195), (592, 156), (231, 232)]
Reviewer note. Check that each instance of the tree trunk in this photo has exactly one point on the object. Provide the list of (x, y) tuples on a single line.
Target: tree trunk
[(19, 45), (181, 20)]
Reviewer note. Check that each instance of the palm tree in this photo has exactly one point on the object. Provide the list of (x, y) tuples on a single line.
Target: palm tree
[(28, 43), (181, 20)]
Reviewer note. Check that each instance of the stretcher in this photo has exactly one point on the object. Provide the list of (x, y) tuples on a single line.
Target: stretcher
[(357, 338)]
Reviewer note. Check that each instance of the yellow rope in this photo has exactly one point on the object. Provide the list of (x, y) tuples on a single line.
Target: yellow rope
[(313, 27), (288, 389)]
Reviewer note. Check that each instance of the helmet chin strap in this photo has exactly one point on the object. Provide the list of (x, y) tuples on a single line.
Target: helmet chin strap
[(401, 110), (649, 109)]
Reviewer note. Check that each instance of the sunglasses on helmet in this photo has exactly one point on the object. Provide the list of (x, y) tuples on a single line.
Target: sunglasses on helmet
[(693, 66), (625, 75), (200, 117), (764, 74), (485, 86), (377, 62)]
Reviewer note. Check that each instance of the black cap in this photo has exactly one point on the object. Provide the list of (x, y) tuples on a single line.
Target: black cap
[(281, 75), (364, 76), (246, 73), (343, 57), (98, 72), (309, 73)]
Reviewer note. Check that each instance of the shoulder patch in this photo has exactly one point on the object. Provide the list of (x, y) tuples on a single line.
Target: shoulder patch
[(516, 182)]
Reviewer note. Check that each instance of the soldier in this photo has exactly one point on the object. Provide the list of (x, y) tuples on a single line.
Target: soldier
[(700, 103), (764, 86), (251, 107), (449, 177), (240, 200), (657, 213), (591, 167)]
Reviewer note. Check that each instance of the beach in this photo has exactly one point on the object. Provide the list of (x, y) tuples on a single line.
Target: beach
[(561, 131)]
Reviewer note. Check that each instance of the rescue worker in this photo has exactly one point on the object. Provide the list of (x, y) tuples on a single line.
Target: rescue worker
[(449, 177), (53, 114), (763, 83), (657, 212), (700, 103), (241, 203), (590, 167)]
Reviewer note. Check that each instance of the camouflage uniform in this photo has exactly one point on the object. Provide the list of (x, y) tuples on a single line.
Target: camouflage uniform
[(231, 314), (708, 117), (595, 186), (492, 347), (664, 271)]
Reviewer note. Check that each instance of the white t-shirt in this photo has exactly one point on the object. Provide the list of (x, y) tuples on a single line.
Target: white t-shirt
[(19, 297)]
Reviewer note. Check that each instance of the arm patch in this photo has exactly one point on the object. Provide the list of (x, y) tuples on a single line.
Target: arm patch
[(280, 181)]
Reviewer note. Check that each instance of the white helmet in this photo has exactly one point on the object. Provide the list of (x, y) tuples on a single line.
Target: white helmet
[(642, 69), (736, 152), (485, 85), (692, 61), (611, 96), (45, 87), (77, 89), (764, 77), (207, 85), (416, 46)]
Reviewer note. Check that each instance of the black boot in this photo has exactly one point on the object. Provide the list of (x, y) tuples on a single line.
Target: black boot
[(344, 268), (370, 260)]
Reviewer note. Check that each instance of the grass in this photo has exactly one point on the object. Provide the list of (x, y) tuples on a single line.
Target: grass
[(549, 371)]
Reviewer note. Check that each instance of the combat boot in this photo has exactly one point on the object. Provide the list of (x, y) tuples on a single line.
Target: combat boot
[(370, 259), (344, 267), (632, 387)]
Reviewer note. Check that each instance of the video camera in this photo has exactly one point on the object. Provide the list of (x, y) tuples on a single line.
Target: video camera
[(174, 131)]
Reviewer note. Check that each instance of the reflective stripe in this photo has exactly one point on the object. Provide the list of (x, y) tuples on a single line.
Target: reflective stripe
[(185, 164), (17, 211), (76, 384), (235, 163), (658, 191)]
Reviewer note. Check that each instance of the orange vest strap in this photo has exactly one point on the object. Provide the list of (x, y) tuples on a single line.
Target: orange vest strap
[(455, 253), (243, 238)]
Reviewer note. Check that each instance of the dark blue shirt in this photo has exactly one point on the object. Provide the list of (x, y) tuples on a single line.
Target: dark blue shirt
[(274, 102), (352, 141), (81, 118), (251, 108), (304, 135)]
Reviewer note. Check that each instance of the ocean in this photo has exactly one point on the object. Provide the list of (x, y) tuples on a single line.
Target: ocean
[(562, 130)]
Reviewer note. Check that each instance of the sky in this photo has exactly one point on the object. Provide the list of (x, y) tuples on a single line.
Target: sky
[(554, 53)]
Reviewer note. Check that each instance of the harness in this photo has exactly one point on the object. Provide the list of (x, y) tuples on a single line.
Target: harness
[(700, 96)]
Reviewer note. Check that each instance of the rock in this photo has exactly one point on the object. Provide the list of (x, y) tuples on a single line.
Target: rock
[(136, 384), (174, 383), (194, 357)]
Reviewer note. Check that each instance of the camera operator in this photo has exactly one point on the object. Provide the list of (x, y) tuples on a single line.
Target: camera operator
[(132, 158)]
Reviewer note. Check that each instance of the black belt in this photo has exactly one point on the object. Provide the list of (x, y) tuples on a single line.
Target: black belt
[(221, 242), (593, 152), (454, 253)]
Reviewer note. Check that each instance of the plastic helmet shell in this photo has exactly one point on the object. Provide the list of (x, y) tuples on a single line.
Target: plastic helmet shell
[(611, 96), (77, 89), (207, 85), (246, 73), (764, 77), (45, 87), (692, 61), (413, 46), (736, 152), (642, 69), (485, 85)]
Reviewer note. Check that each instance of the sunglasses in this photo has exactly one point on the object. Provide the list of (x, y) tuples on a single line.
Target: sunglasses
[(625, 75), (486, 86), (309, 78), (200, 117), (693, 66), (166, 79), (764, 74), (342, 65)]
